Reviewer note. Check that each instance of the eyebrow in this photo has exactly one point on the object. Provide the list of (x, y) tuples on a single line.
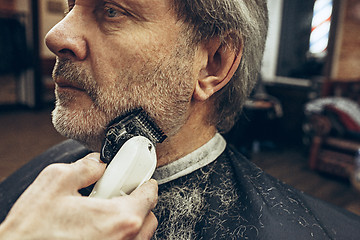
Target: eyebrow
[(144, 9), (135, 8)]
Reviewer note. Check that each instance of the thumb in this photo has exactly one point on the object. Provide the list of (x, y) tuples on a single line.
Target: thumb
[(86, 171), (146, 195), (71, 177)]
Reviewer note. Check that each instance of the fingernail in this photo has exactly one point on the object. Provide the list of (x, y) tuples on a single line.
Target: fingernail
[(153, 181), (95, 157)]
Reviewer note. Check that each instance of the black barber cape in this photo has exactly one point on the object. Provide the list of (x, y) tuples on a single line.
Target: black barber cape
[(230, 198)]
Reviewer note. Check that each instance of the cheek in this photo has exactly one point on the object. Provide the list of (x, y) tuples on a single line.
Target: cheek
[(111, 64), (128, 50)]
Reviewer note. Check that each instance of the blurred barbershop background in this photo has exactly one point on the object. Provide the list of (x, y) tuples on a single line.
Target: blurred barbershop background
[(301, 123)]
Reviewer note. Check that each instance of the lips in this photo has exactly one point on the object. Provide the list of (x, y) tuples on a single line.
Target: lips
[(67, 85)]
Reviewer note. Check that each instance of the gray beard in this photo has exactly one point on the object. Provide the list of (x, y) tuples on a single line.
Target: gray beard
[(163, 88), (180, 208)]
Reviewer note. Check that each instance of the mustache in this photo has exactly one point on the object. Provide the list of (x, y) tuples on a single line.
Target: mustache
[(67, 70), (70, 72)]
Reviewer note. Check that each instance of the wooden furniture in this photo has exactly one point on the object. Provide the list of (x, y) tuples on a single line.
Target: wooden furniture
[(332, 149)]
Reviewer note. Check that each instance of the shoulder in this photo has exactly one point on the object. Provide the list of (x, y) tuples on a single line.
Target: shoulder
[(286, 211)]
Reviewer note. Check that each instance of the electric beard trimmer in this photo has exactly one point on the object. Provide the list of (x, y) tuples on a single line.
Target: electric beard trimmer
[(129, 151)]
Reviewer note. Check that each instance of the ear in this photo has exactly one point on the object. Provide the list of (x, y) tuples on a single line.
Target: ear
[(222, 62)]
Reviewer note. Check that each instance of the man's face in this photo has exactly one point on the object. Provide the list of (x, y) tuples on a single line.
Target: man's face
[(113, 56)]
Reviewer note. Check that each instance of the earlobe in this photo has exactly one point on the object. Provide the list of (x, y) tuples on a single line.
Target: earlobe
[(203, 90), (221, 65)]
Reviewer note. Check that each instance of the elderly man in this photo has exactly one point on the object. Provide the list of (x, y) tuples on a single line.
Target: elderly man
[(190, 64)]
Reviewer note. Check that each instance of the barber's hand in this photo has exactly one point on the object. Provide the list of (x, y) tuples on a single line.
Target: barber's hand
[(52, 208)]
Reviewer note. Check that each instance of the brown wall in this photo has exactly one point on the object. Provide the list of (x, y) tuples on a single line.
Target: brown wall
[(6, 4), (347, 60)]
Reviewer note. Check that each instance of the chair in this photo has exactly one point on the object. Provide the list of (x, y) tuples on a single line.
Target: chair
[(335, 135)]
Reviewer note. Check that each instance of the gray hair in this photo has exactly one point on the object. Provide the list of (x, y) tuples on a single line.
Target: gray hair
[(237, 23)]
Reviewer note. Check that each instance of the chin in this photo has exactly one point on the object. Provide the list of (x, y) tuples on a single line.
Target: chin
[(86, 127)]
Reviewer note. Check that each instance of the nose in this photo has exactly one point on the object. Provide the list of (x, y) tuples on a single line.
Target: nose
[(67, 40)]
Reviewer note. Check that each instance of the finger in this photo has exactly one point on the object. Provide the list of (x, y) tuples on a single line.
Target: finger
[(147, 193), (71, 177), (149, 227), (87, 170)]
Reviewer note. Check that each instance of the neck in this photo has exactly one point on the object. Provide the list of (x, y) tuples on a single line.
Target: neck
[(192, 135)]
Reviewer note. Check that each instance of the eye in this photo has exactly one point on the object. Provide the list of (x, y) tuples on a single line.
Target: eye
[(112, 12)]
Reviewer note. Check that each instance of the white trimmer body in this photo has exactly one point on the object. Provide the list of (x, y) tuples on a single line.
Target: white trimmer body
[(133, 165)]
